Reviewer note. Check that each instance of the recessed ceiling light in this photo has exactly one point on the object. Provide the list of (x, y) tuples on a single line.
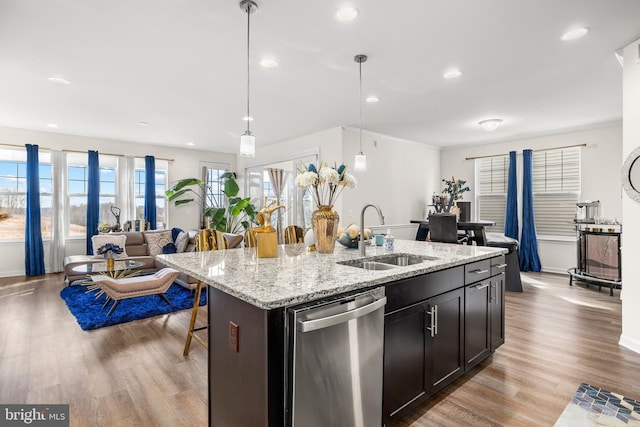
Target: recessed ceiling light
[(574, 33), (490, 124), (247, 119), (372, 99), (59, 80), (346, 14), (268, 63), (52, 125), (452, 74), (190, 144), (143, 123)]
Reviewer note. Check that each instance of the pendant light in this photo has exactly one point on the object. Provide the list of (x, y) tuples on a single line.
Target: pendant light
[(360, 163), (248, 141)]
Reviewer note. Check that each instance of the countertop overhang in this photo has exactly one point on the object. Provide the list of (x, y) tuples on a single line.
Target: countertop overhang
[(297, 276)]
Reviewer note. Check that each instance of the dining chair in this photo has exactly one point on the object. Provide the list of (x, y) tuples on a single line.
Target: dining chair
[(205, 240), (249, 239), (293, 234), (443, 228)]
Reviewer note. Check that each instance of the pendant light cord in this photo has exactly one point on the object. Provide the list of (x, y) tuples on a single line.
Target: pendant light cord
[(248, 75), (360, 103)]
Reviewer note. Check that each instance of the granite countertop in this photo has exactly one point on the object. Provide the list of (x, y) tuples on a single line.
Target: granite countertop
[(299, 276)]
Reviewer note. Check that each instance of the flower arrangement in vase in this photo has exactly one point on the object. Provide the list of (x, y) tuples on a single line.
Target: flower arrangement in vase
[(109, 251), (454, 188), (325, 183)]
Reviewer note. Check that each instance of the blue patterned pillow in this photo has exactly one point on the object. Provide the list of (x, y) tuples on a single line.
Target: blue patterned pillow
[(169, 248)]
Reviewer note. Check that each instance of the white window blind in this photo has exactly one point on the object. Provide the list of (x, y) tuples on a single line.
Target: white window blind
[(492, 190), (556, 188)]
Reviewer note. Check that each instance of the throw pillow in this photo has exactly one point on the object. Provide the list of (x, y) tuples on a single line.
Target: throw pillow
[(169, 248), (181, 241), (156, 240), (175, 231), (115, 239)]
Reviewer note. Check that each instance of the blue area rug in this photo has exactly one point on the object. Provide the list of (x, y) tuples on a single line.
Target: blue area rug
[(90, 315), (594, 406)]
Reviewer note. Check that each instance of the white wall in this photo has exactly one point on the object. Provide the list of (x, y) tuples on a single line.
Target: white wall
[(185, 165), (601, 168), (631, 209), (400, 176)]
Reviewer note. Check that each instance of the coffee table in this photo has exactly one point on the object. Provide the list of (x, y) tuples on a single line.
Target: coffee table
[(121, 269)]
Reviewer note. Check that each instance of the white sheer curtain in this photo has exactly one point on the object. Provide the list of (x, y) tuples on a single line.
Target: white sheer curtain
[(59, 214), (126, 190)]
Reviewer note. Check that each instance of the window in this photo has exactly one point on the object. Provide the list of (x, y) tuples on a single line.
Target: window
[(78, 183), (556, 188), (212, 177), (491, 196), (161, 186), (13, 194)]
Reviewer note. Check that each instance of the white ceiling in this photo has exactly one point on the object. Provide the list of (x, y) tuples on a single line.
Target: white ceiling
[(181, 66)]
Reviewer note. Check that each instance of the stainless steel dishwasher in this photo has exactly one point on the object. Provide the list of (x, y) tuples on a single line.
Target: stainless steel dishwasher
[(337, 362)]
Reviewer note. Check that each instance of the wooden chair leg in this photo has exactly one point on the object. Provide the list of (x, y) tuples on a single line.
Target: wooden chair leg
[(192, 323)]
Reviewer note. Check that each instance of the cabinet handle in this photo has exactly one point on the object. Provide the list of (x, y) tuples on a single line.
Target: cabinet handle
[(494, 292), (433, 325), (479, 271), (435, 307), (481, 286), (500, 266)]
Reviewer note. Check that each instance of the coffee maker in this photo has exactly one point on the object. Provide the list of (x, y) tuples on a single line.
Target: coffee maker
[(587, 212)]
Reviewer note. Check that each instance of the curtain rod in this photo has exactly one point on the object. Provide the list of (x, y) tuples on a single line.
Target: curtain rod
[(541, 149), (117, 155), (78, 151)]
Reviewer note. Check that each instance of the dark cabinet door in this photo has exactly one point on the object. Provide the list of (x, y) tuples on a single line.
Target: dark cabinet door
[(496, 308), (404, 358), (477, 318), (444, 330)]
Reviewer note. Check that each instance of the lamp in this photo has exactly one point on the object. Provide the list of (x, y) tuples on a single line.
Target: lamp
[(360, 163), (490, 124), (248, 141)]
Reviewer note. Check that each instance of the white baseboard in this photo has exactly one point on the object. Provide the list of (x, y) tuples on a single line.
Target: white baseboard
[(12, 273), (555, 270), (630, 343)]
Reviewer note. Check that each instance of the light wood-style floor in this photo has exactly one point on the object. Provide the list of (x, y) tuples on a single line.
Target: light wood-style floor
[(134, 374)]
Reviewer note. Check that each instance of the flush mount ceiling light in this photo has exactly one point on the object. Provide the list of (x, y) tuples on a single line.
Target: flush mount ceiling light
[(490, 124), (52, 125), (59, 80), (190, 144), (452, 74), (268, 63), (143, 123), (360, 163), (346, 14), (574, 33), (248, 141), (372, 99), (247, 119)]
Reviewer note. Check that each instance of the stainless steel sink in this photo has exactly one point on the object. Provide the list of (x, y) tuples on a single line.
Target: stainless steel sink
[(403, 260), (387, 262)]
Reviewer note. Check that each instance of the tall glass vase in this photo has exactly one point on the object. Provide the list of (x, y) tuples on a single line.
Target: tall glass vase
[(325, 226)]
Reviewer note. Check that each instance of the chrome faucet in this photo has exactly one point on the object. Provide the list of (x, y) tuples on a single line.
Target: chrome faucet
[(361, 246)]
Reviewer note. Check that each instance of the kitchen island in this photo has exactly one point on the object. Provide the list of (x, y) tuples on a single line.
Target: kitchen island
[(250, 333)]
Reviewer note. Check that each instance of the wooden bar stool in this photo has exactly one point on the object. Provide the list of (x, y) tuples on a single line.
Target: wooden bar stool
[(205, 240)]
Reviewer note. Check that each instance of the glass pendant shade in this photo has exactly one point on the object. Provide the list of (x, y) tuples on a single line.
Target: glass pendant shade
[(361, 162), (247, 145)]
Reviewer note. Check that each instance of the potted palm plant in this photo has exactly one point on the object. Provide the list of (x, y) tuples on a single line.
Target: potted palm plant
[(233, 215)]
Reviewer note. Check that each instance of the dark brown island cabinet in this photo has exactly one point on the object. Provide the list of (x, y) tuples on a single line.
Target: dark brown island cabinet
[(436, 327)]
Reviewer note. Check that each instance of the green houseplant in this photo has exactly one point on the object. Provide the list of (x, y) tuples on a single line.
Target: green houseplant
[(237, 214)]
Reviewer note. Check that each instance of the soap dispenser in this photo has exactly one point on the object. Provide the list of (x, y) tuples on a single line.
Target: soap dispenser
[(388, 240), (266, 236)]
